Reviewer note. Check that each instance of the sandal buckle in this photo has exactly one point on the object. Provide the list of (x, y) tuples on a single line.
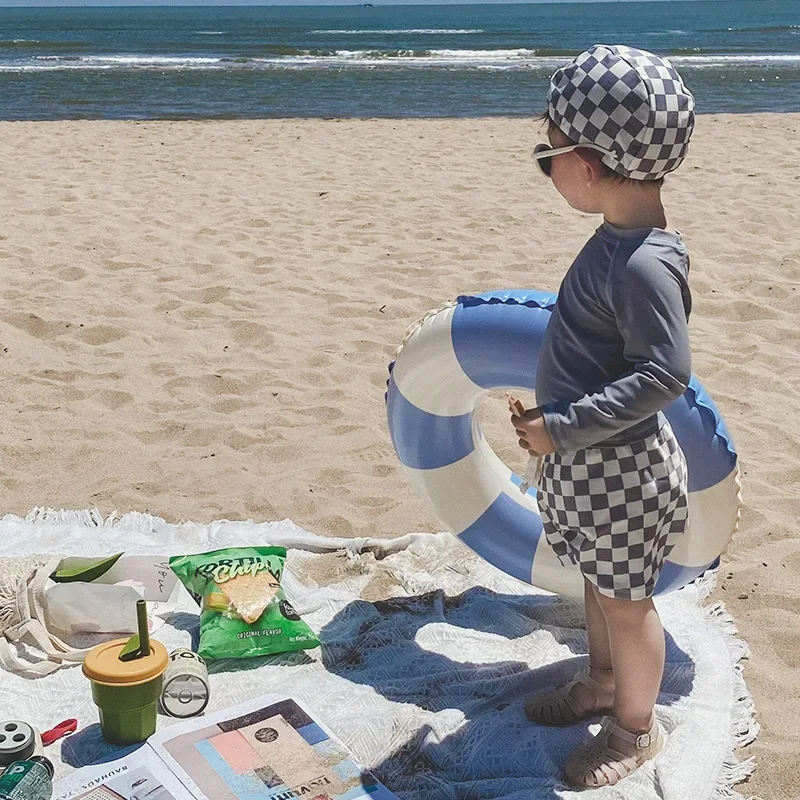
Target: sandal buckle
[(643, 740)]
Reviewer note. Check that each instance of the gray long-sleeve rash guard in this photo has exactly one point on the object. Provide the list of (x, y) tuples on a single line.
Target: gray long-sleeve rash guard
[(616, 349)]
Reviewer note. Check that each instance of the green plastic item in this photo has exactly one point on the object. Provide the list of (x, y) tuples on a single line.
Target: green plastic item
[(243, 610), (131, 649), (128, 714), (144, 631), (85, 572), (138, 646), (126, 692)]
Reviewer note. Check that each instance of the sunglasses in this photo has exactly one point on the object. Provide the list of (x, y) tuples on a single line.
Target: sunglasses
[(542, 154)]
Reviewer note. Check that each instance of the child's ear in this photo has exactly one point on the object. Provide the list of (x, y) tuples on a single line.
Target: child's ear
[(590, 163)]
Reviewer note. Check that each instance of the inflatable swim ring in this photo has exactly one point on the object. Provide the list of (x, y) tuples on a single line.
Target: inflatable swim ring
[(454, 356)]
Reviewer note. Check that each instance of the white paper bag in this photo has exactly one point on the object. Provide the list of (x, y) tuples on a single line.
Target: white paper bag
[(108, 604)]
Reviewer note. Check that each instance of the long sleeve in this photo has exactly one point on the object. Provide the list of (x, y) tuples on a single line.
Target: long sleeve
[(651, 305)]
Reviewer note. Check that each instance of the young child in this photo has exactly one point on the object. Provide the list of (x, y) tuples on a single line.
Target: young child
[(612, 491)]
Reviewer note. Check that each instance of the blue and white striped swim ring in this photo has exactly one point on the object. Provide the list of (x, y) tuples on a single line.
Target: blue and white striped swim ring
[(454, 356)]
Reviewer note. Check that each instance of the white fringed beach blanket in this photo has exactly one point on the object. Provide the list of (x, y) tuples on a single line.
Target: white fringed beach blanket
[(427, 655)]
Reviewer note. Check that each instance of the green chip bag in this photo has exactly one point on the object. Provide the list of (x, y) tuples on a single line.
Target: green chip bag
[(243, 611)]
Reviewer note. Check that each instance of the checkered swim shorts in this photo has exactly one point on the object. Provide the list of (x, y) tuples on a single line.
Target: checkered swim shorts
[(616, 512)]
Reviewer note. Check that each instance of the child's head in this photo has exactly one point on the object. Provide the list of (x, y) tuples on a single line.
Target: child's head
[(626, 117)]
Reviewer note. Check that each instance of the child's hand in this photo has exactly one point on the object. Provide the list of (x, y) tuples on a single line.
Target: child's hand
[(530, 428)]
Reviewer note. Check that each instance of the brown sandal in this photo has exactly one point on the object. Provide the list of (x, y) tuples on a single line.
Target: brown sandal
[(597, 764), (558, 707)]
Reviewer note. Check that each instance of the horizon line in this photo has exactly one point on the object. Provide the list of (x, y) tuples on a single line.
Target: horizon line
[(354, 4)]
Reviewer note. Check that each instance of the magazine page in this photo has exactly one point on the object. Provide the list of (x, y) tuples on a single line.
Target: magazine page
[(266, 749), (140, 776)]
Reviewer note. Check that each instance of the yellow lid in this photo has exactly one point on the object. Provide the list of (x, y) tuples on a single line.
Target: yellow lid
[(102, 664)]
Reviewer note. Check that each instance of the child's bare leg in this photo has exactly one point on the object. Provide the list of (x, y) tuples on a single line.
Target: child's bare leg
[(548, 708), (637, 648), (597, 630), (599, 651)]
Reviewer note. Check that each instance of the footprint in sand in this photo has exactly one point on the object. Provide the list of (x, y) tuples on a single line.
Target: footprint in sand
[(115, 399), (324, 413), (64, 376), (165, 433), (102, 334), (72, 273), (237, 440), (199, 437), (319, 360), (383, 470), (35, 326), (210, 294), (341, 430), (191, 388), (231, 405), (373, 452), (250, 334), (335, 477)]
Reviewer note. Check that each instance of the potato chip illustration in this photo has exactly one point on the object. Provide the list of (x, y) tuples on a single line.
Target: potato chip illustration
[(251, 594)]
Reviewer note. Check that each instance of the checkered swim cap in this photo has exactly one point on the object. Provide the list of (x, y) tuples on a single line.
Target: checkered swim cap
[(627, 101)]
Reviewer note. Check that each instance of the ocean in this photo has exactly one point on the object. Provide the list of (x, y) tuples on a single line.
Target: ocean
[(375, 61)]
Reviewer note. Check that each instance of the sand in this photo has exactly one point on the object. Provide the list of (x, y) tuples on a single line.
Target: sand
[(195, 321)]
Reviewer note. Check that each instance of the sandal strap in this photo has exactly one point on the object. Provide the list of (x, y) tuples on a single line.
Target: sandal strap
[(560, 707), (588, 681), (599, 764), (566, 697), (640, 740)]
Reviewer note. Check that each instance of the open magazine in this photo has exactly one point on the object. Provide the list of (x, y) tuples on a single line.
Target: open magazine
[(265, 749)]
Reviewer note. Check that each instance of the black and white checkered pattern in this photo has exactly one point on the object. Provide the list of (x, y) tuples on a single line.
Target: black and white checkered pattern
[(627, 101), (616, 512)]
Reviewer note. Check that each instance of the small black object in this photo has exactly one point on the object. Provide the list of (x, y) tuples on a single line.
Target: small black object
[(287, 609)]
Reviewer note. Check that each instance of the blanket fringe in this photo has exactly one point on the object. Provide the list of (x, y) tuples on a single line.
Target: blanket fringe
[(744, 726), (92, 518)]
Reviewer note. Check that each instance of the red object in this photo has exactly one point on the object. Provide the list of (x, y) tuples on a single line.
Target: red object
[(62, 729)]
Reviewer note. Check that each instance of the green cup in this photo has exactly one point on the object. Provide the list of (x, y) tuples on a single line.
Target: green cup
[(126, 692)]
